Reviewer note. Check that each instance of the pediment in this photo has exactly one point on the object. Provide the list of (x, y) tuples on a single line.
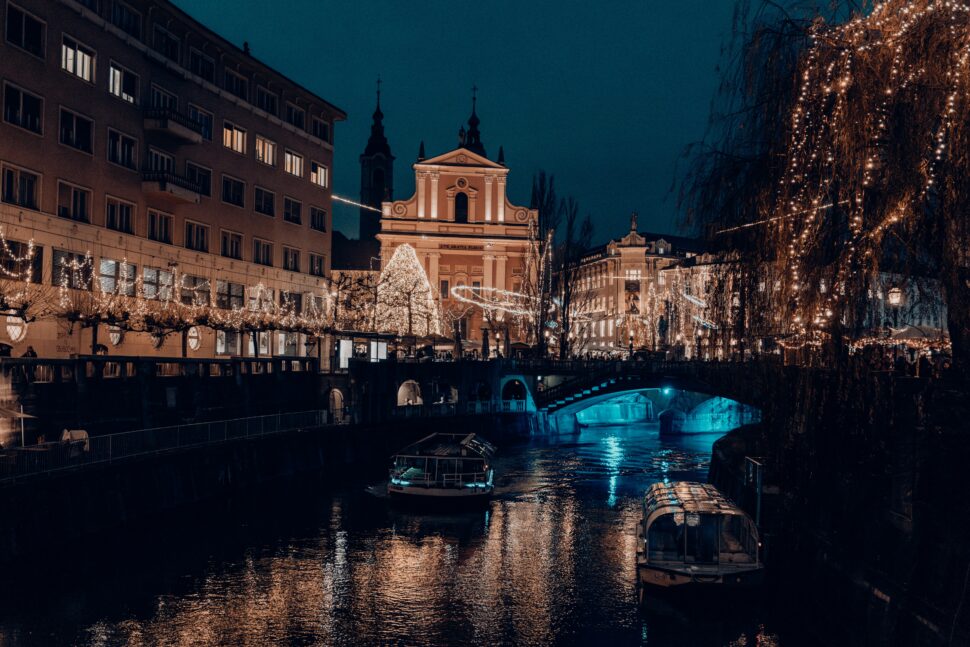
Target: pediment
[(460, 157)]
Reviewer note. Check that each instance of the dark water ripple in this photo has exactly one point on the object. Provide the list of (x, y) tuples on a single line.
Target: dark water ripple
[(551, 561)]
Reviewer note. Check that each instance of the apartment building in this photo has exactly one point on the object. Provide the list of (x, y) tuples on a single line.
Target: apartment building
[(137, 142)]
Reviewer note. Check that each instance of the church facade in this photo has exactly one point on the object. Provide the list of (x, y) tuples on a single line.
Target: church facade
[(469, 237)]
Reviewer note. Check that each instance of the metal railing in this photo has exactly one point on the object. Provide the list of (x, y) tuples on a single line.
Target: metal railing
[(51, 457), (471, 407), (171, 114), (170, 177)]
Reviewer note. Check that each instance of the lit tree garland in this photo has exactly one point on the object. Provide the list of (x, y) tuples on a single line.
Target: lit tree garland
[(405, 300)]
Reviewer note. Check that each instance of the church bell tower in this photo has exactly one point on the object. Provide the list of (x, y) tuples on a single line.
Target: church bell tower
[(376, 176)]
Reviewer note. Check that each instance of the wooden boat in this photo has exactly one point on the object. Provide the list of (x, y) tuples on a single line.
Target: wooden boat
[(692, 536), (445, 467)]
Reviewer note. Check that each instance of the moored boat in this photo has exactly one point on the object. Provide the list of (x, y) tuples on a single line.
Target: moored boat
[(692, 536), (443, 467)]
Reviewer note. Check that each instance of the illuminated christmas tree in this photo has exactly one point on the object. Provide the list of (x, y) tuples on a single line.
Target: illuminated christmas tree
[(405, 300)]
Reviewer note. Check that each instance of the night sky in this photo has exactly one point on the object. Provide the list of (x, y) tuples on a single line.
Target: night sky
[(605, 95)]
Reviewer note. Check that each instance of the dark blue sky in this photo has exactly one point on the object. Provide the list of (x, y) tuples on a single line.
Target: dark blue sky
[(606, 95)]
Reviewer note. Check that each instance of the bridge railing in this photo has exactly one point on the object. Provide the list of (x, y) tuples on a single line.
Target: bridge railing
[(52, 457), (447, 409)]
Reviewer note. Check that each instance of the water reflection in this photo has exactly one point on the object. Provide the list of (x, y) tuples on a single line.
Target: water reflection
[(551, 561)]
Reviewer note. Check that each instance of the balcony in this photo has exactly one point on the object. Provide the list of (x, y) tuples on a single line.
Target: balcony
[(169, 186), (174, 123)]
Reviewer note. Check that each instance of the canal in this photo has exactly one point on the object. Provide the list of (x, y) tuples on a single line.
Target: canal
[(323, 562)]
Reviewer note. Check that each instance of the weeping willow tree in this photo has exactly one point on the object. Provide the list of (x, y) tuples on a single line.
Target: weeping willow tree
[(840, 150)]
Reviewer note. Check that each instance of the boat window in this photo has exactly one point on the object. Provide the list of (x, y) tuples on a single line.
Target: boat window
[(702, 538), (665, 539), (738, 542)]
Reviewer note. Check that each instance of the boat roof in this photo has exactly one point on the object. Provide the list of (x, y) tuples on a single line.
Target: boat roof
[(446, 445), (686, 496)]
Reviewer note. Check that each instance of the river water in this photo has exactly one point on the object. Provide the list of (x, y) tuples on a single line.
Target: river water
[(550, 561)]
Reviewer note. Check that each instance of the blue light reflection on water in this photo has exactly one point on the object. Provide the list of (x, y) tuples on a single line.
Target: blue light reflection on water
[(550, 561)]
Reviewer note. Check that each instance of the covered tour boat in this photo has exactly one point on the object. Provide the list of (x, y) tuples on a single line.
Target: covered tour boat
[(692, 536), (443, 466)]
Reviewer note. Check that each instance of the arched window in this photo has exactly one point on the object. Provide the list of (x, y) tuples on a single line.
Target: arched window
[(461, 207)]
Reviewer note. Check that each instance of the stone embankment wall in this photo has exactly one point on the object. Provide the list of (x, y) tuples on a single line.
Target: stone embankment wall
[(866, 511)]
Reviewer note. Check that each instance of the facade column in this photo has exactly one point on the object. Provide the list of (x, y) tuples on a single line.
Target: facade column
[(500, 279), (421, 191), (488, 260), (434, 194), (501, 198), (433, 258), (489, 180)]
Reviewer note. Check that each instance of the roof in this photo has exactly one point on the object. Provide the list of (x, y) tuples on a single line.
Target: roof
[(686, 497), (247, 57), (444, 445)]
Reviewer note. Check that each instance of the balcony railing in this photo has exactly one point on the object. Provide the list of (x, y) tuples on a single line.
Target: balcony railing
[(175, 123), (171, 185)]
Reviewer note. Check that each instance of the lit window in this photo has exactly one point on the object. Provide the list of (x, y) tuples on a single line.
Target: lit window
[(234, 137), (116, 277), (319, 174), (77, 59), (122, 83), (293, 163), (265, 151)]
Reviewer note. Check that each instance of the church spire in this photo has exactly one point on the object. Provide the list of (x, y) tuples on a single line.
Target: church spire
[(421, 156), (473, 139), (378, 141)]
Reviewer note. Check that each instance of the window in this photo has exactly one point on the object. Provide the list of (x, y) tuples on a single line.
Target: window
[(203, 118), (233, 191), (237, 84), (295, 116), (265, 202), (160, 226), (290, 302), (319, 174), (292, 211), (194, 291), (293, 163), (227, 342), (118, 215), (318, 219), (231, 244), (202, 65), (125, 18), (25, 31), (166, 43), (73, 202), (262, 252), (163, 99), (444, 289), (77, 131), (77, 59), (200, 176), (20, 187), (196, 236), (20, 264), (265, 151), (159, 161), (122, 149), (461, 207), (22, 109), (157, 284), (122, 83), (72, 270), (234, 137), (291, 259), (268, 101), (116, 277), (230, 295), (316, 265), (321, 129)]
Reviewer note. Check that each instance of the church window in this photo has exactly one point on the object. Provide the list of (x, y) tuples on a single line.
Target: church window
[(461, 207)]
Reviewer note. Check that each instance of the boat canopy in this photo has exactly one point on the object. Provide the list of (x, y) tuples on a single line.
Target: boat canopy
[(685, 497), (445, 445)]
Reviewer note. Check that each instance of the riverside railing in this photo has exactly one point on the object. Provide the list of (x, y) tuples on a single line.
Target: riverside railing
[(52, 457), (471, 407)]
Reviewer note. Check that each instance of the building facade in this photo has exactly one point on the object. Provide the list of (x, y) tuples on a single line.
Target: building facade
[(619, 297), (141, 145), (472, 241)]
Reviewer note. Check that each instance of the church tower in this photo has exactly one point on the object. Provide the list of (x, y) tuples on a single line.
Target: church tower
[(376, 176)]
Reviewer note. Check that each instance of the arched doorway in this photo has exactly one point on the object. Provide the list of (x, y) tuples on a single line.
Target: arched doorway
[(461, 207), (337, 405), (409, 393), (514, 390)]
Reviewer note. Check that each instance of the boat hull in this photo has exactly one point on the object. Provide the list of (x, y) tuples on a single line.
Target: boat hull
[(438, 497), (661, 578)]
